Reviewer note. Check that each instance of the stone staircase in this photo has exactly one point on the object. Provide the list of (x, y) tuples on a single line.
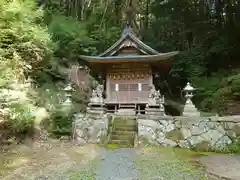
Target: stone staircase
[(126, 110), (124, 130)]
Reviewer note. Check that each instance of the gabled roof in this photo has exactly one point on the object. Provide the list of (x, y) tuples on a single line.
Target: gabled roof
[(128, 39)]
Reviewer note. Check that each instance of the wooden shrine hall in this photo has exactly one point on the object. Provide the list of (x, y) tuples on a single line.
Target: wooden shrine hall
[(127, 69)]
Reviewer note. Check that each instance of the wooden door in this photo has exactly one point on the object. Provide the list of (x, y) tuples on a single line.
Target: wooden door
[(128, 80)]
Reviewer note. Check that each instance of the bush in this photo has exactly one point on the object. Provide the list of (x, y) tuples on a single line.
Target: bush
[(21, 119), (17, 109), (233, 148), (60, 122), (215, 92), (25, 48)]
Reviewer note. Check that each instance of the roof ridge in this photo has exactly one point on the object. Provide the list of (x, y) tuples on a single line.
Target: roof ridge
[(127, 29)]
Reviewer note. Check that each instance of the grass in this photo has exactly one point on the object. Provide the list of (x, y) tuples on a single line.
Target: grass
[(13, 160), (87, 173), (84, 174), (115, 146), (169, 163)]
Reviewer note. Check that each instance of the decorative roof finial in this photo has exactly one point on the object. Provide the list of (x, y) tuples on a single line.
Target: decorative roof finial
[(128, 29)]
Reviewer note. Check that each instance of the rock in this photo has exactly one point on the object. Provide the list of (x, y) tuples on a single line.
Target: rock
[(167, 124), (196, 131), (183, 144), (149, 123), (174, 135), (236, 129), (213, 136), (203, 146), (81, 141), (90, 128), (186, 133), (160, 137), (193, 140), (178, 124), (231, 134), (222, 142), (169, 143)]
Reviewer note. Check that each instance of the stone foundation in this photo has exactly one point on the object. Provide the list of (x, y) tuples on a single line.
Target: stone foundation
[(203, 133), (90, 128), (189, 132)]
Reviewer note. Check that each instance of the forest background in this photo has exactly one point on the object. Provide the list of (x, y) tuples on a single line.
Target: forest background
[(39, 40)]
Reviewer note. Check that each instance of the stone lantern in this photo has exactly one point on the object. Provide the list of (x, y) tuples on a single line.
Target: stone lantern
[(189, 91), (68, 93), (189, 108)]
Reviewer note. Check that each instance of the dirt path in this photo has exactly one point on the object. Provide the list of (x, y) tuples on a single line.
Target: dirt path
[(51, 160), (222, 166)]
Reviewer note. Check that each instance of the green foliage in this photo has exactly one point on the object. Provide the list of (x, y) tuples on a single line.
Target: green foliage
[(233, 148), (60, 118), (49, 95), (17, 109), (71, 37), (61, 123), (215, 91), (24, 42), (25, 46), (43, 42), (20, 118)]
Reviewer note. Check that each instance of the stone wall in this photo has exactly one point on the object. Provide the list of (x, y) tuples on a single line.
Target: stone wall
[(90, 128), (189, 132)]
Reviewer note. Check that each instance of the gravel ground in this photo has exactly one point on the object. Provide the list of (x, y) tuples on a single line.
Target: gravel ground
[(95, 163), (117, 165), (144, 164)]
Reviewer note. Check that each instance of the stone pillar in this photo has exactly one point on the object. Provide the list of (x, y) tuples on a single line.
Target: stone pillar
[(189, 109)]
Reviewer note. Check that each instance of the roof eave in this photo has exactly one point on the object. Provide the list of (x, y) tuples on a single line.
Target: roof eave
[(140, 58)]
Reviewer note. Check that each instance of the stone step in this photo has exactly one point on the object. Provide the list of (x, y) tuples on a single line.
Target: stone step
[(121, 142), (122, 137), (125, 122), (129, 133), (125, 117), (127, 106), (126, 111), (125, 128)]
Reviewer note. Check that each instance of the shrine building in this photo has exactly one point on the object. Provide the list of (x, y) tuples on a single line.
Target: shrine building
[(127, 69)]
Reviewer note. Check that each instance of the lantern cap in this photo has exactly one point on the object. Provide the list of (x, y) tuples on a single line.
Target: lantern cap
[(188, 87), (68, 88)]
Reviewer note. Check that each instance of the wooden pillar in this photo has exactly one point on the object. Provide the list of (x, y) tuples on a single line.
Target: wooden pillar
[(139, 109)]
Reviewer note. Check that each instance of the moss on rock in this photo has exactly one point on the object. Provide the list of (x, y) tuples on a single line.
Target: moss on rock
[(175, 135), (204, 146), (236, 129)]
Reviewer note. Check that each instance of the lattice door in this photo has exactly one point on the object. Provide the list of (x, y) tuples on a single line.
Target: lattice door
[(128, 80)]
